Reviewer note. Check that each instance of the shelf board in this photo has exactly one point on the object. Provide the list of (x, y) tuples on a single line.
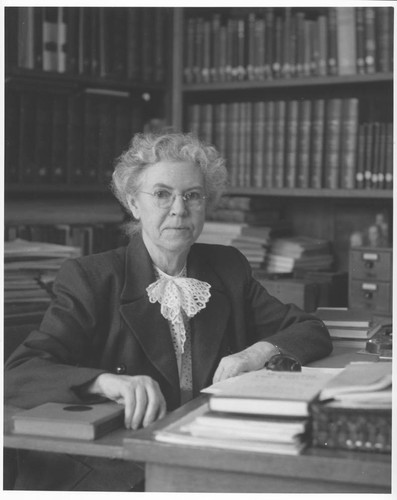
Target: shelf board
[(15, 188), (352, 194), (20, 76), (290, 82)]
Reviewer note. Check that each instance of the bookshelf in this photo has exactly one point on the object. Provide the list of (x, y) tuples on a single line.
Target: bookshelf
[(309, 55), (79, 83), (167, 76)]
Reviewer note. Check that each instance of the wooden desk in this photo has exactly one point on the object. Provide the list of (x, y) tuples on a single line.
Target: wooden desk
[(198, 469), (195, 469)]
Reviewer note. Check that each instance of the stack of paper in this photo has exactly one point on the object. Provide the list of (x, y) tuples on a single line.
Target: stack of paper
[(262, 411), (29, 271)]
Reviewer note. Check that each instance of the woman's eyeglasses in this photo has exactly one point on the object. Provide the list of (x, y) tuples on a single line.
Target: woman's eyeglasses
[(164, 199)]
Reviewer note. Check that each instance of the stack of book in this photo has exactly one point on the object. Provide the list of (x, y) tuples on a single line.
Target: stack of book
[(246, 223), (261, 411), (289, 254), (353, 410), (348, 327), (29, 272)]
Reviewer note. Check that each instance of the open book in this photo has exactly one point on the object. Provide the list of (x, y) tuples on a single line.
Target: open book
[(361, 384)]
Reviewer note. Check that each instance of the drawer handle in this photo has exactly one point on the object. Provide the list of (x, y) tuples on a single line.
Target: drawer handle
[(368, 295), (369, 264)]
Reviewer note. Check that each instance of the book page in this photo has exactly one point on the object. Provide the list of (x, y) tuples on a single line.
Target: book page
[(269, 384)]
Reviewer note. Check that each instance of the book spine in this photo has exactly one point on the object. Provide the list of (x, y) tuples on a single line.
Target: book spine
[(119, 37), (160, 54), (304, 134), (59, 127), (332, 142), (269, 27), (279, 144), (307, 46), (346, 40), (269, 144), (250, 52), (206, 61), (106, 142), (248, 146), (91, 137), (360, 40), (38, 19), (369, 46), (95, 43), (321, 28), (206, 122), (12, 126), (133, 34), (317, 144), (75, 119), (61, 40), (369, 148), (361, 147), (300, 45), (188, 63), (382, 156), (259, 49), (72, 20), (285, 70), (389, 157), (233, 141), (50, 39), (277, 46), (194, 111), (26, 56), (258, 139), (12, 21), (375, 156), (349, 132), (198, 49), (332, 43), (384, 39), (220, 125), (242, 166), (222, 53), (215, 48), (291, 155), (27, 120)]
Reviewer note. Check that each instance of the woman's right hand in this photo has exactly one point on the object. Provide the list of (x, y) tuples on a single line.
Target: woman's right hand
[(140, 394)]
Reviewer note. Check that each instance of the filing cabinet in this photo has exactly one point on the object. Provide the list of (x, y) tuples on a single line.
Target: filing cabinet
[(370, 279)]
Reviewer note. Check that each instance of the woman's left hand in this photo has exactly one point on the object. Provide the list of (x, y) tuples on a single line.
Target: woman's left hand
[(250, 359)]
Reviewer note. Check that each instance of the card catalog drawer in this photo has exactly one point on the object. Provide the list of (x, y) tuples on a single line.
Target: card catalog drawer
[(372, 295), (371, 263)]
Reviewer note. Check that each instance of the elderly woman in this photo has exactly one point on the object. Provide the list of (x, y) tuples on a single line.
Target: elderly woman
[(151, 324)]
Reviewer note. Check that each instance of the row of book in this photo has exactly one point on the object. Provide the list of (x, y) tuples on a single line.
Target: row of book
[(105, 42), (316, 143), (66, 137), (287, 43)]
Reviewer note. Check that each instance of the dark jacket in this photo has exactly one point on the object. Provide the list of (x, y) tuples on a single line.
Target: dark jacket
[(102, 321)]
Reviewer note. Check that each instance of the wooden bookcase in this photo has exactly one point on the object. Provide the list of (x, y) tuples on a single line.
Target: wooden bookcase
[(80, 82), (331, 212), (328, 212)]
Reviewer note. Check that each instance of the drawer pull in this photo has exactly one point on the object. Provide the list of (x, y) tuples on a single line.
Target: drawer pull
[(372, 287), (370, 256)]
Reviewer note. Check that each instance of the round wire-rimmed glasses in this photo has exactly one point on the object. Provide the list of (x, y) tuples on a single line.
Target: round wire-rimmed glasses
[(164, 199)]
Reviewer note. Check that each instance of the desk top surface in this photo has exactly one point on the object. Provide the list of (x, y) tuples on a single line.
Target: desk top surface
[(363, 468)]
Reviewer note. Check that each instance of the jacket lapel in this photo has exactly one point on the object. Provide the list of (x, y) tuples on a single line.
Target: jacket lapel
[(209, 325), (144, 318)]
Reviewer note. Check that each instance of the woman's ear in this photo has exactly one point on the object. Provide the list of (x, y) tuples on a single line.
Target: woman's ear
[(132, 206)]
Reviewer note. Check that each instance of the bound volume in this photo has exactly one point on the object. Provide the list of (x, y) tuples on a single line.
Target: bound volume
[(86, 422)]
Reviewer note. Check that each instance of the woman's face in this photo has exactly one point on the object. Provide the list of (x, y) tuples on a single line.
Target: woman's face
[(175, 228)]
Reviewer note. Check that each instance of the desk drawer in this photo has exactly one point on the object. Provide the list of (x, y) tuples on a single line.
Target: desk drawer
[(371, 263), (372, 295)]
